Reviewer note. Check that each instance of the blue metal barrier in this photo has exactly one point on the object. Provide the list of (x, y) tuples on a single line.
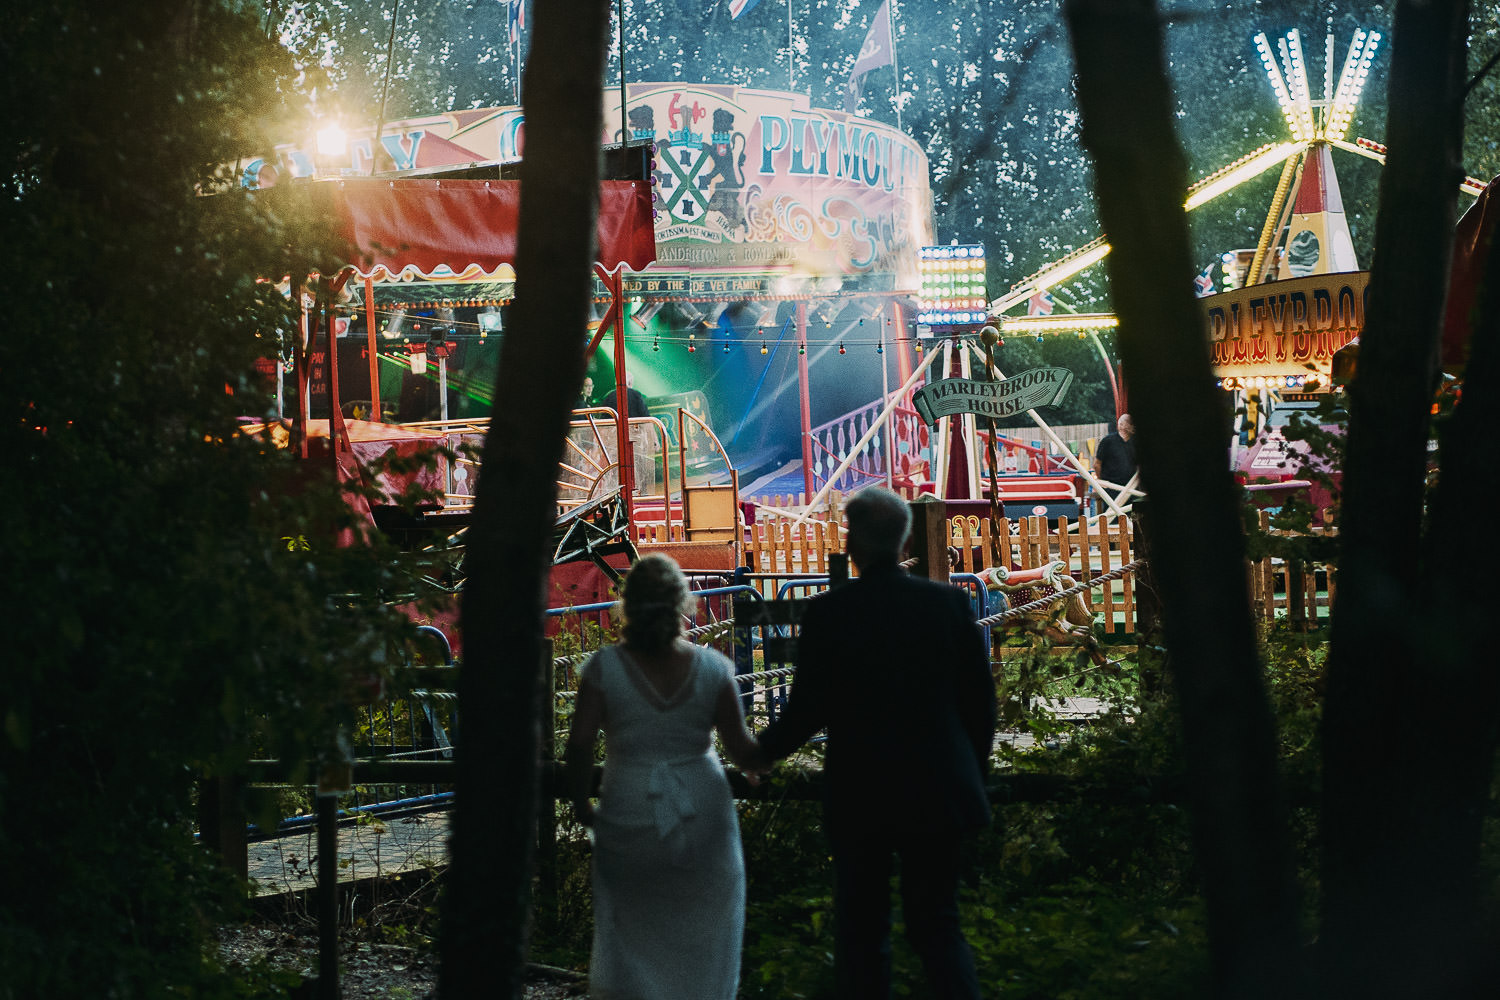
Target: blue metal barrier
[(985, 603)]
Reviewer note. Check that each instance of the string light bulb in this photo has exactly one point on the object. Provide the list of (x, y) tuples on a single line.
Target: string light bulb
[(841, 348), (691, 346), (656, 343)]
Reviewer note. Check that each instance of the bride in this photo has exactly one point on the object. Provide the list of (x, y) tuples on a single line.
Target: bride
[(668, 874)]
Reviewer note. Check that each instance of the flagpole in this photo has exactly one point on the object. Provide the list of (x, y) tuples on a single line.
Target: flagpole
[(890, 13), (515, 51), (790, 85), (624, 125), (385, 89)]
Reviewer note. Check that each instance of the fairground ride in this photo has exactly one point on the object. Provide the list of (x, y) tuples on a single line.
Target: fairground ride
[(1270, 343)]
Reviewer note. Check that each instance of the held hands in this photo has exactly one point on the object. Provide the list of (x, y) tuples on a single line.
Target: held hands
[(756, 766)]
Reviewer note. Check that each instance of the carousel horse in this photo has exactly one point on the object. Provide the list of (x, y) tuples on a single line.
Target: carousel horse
[(1065, 621)]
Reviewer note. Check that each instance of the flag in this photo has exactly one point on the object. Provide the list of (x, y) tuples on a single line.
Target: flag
[(738, 7), (1040, 303), (516, 18), (1203, 283), (874, 53)]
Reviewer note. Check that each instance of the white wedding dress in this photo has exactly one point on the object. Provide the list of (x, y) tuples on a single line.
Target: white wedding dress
[(668, 873)]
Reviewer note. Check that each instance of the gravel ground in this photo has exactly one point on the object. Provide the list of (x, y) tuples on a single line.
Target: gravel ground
[(370, 971)]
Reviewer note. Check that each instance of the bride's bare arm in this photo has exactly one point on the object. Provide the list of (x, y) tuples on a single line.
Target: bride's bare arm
[(740, 745), (588, 719)]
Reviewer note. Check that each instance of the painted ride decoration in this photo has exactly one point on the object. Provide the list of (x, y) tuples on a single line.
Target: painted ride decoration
[(786, 260)]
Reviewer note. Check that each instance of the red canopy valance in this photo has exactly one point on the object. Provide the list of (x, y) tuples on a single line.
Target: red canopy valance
[(428, 225)]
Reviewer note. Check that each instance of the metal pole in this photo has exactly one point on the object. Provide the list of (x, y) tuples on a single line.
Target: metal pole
[(804, 400), (1109, 369), (390, 49), (890, 13), (328, 901), (989, 336), (789, 65), (372, 346), (624, 123), (885, 393), (625, 447), (443, 383)]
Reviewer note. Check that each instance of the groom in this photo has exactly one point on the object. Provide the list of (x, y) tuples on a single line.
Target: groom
[(895, 669)]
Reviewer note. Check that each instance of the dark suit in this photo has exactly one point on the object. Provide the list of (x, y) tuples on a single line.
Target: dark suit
[(895, 669), (633, 399)]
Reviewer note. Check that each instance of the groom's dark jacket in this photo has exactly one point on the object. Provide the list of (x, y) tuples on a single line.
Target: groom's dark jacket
[(895, 669)]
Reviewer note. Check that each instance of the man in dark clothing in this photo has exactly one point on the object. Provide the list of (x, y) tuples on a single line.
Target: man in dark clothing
[(894, 668), (633, 398), (1114, 460), (643, 438)]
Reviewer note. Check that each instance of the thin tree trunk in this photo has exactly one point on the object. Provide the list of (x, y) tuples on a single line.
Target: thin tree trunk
[(488, 892), (1238, 810), (1388, 929)]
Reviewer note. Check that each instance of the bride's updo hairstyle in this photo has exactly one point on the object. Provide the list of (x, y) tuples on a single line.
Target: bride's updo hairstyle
[(655, 598)]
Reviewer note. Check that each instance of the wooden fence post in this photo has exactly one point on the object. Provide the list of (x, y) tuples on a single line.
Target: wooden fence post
[(838, 569), (221, 822), (929, 538), (1147, 603)]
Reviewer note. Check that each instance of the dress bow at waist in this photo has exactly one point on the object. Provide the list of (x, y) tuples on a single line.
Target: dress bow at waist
[(671, 798)]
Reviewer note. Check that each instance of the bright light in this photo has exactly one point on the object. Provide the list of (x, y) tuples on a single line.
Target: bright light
[(1291, 52), (331, 141), (1071, 266), (1055, 324), (1279, 85), (1351, 83), (1239, 172), (953, 286)]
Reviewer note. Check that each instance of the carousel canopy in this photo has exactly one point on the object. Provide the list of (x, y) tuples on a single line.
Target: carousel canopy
[(444, 228)]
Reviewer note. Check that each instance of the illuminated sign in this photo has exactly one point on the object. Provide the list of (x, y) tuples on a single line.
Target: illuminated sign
[(953, 285), (1285, 329)]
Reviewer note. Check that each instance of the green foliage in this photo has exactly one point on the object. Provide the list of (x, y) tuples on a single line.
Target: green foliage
[(188, 604)]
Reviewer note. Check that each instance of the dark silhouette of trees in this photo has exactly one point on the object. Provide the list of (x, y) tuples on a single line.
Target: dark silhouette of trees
[(1140, 183), (1401, 829), (1401, 824), (173, 580), (541, 366)]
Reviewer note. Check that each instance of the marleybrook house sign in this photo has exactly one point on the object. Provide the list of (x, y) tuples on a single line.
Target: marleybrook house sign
[(1006, 398)]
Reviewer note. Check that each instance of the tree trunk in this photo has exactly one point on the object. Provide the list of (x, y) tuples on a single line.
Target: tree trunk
[(1238, 810), (1461, 549), (1389, 924), (541, 366)]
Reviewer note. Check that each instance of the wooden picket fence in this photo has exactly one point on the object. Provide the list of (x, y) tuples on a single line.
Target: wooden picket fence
[(1087, 550), (778, 548), (1302, 592)]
